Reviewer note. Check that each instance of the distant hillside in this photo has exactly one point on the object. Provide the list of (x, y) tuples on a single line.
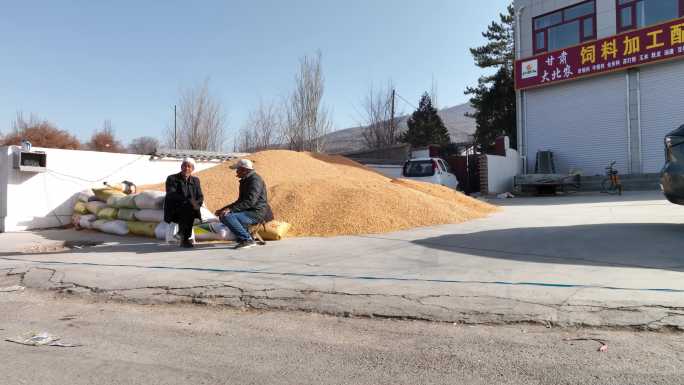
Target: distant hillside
[(461, 129)]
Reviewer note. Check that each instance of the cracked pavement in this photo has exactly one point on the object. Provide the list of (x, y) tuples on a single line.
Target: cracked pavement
[(581, 260)]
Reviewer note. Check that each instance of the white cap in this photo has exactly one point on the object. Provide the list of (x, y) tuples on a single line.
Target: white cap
[(189, 161), (243, 163)]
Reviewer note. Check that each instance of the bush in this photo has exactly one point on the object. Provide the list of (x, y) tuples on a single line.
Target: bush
[(40, 134)]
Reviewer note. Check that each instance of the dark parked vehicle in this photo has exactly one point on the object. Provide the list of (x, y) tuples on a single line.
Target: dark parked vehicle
[(672, 175)]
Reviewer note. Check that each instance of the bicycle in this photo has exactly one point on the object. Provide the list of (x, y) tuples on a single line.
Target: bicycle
[(611, 184)]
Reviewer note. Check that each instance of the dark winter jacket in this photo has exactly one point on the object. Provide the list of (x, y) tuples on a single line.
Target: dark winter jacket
[(182, 196), (253, 198)]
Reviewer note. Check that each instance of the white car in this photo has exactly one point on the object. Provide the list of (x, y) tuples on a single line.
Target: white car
[(430, 170)]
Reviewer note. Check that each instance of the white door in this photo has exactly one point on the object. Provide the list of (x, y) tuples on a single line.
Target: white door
[(584, 123)]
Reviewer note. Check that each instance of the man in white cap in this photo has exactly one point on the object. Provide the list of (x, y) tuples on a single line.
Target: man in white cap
[(250, 208), (183, 200)]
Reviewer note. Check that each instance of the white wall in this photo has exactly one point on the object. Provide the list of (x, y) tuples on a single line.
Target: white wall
[(4, 171), (42, 200), (501, 170)]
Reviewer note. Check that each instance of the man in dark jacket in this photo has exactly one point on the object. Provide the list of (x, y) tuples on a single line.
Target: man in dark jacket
[(250, 208), (183, 200)]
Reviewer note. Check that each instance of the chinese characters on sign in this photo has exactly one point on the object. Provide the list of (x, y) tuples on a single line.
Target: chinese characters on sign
[(645, 46)]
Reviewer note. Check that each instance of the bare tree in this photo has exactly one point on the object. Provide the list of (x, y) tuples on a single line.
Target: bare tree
[(380, 129), (143, 145), (104, 139), (261, 130), (40, 133), (201, 123), (306, 120)]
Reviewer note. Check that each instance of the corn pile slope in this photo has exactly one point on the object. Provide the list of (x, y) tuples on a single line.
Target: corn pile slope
[(322, 195)]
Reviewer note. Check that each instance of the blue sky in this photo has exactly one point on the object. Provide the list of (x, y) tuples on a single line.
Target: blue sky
[(77, 63)]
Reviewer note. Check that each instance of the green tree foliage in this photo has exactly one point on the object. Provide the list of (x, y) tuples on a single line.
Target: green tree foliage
[(494, 96), (425, 127)]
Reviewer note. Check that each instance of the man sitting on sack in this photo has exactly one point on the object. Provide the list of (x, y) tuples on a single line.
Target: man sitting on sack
[(183, 200), (250, 208)]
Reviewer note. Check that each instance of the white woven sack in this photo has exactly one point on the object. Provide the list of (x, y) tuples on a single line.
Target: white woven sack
[(85, 195), (207, 216), (172, 236), (171, 232), (153, 200), (95, 206), (117, 227), (86, 221), (148, 215), (160, 231)]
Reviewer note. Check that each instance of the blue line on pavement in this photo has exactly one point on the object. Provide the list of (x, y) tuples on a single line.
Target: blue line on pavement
[(359, 277)]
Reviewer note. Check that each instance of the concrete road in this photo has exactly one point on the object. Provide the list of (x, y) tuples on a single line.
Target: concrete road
[(176, 344), (583, 260)]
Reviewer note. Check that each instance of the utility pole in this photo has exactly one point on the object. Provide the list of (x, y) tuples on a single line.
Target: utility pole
[(392, 128), (175, 133)]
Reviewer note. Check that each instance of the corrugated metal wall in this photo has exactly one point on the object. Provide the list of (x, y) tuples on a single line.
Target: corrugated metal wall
[(662, 109), (583, 122)]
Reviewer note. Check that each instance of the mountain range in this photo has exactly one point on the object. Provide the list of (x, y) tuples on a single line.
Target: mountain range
[(461, 129)]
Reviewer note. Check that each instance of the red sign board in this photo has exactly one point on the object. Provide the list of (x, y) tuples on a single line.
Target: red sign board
[(619, 52)]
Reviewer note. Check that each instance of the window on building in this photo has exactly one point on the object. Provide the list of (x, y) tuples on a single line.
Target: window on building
[(633, 14), (565, 27)]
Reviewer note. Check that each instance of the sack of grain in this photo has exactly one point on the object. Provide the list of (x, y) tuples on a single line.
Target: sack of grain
[(160, 230), (97, 224), (104, 193), (124, 202), (75, 221), (146, 229), (117, 227), (213, 231), (148, 215), (109, 213), (207, 216), (153, 200), (80, 208), (126, 214), (94, 207), (85, 196), (125, 187), (172, 236), (86, 221), (274, 230)]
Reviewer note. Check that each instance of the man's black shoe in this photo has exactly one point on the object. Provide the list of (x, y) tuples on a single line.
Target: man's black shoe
[(187, 245), (245, 244)]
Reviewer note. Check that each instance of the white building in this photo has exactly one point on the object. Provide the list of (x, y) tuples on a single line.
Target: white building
[(599, 81)]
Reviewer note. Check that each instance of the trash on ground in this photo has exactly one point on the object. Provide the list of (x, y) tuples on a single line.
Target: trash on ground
[(603, 348), (40, 339), (505, 195), (11, 288)]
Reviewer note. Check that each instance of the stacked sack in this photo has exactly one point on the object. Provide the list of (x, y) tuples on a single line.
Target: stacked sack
[(110, 210)]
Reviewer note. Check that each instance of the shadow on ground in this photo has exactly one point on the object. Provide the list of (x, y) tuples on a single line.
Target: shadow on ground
[(644, 245), (69, 241)]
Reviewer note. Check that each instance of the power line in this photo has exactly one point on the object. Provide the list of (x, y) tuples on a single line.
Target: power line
[(406, 101)]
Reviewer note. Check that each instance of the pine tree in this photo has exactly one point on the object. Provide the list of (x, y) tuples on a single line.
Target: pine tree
[(494, 96), (425, 127)]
